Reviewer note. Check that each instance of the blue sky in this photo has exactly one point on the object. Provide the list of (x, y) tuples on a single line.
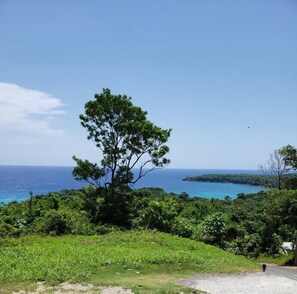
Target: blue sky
[(221, 74)]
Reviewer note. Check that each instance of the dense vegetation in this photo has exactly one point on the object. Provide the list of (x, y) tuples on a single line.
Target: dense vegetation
[(249, 225), (246, 179)]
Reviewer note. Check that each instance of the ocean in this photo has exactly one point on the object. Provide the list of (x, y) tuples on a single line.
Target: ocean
[(16, 182)]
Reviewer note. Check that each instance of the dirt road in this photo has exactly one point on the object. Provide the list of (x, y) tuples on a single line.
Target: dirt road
[(276, 280)]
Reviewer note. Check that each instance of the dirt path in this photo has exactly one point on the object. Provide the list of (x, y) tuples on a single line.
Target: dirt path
[(276, 280), (67, 288), (288, 272)]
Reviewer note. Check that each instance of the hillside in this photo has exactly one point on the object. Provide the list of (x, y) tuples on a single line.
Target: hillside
[(148, 260)]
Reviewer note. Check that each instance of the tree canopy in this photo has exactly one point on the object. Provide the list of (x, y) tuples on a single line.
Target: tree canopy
[(290, 155), (127, 139)]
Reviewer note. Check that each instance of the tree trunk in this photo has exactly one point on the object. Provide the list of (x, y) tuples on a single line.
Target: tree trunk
[(279, 182), (295, 258)]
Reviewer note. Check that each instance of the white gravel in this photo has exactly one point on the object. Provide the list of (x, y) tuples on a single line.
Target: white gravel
[(244, 283)]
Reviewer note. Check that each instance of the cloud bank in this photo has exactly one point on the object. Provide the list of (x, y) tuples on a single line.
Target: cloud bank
[(28, 111)]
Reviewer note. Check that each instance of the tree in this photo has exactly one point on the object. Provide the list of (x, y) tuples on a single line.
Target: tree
[(276, 166), (290, 155), (131, 145)]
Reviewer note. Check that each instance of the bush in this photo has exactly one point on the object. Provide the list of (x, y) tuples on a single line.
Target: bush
[(61, 222), (249, 246), (253, 245), (237, 246), (214, 228), (159, 214), (183, 227), (53, 223), (276, 243), (7, 230)]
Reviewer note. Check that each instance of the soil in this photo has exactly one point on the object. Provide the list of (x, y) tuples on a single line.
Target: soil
[(67, 288)]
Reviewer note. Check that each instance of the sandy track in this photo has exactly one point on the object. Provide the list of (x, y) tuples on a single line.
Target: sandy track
[(67, 288), (243, 283)]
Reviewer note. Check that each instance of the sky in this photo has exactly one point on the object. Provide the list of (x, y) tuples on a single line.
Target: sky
[(222, 74)]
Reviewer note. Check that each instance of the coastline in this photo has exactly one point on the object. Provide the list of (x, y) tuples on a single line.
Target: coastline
[(17, 181)]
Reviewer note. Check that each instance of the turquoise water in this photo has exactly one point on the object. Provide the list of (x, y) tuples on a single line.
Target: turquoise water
[(17, 181), (171, 181)]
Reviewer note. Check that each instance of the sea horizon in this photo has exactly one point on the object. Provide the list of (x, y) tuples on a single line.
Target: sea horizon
[(17, 181), (168, 167)]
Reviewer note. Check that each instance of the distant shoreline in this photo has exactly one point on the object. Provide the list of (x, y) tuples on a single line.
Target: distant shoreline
[(244, 179)]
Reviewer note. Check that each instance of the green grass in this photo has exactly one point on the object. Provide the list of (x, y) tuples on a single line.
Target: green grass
[(146, 262), (283, 259)]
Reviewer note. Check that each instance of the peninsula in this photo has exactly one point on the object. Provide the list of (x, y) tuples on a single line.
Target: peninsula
[(245, 179)]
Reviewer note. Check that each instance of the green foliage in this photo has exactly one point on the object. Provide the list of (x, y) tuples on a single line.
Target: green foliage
[(159, 215), (183, 227), (237, 246), (245, 225), (290, 182), (88, 172), (281, 213), (7, 230), (101, 259), (214, 229), (283, 259), (93, 200), (61, 222), (53, 222), (127, 140), (256, 180), (275, 246), (249, 245), (116, 207), (290, 154), (252, 245)]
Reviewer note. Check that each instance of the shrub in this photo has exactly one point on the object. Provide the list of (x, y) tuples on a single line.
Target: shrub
[(249, 246), (7, 230), (159, 214), (237, 246), (214, 228), (183, 227), (252, 245), (63, 221), (276, 243)]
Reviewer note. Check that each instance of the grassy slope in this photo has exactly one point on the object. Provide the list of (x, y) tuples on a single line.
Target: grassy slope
[(143, 261), (284, 259)]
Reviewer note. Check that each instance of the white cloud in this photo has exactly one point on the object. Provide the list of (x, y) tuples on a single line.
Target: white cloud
[(28, 111)]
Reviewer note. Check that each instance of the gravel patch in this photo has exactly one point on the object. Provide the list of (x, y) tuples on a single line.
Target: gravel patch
[(243, 283), (115, 290), (67, 288)]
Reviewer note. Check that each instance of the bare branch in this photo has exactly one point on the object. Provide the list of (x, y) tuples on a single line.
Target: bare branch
[(275, 166)]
